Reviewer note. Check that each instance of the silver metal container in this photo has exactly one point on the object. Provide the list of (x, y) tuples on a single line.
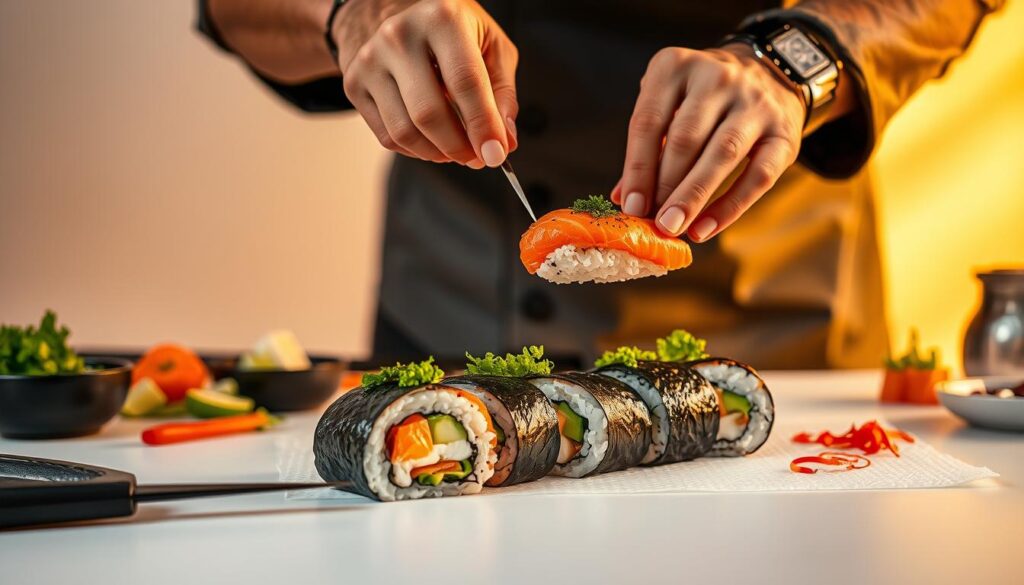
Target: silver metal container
[(994, 342)]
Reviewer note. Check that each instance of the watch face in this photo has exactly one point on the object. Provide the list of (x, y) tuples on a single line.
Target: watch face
[(803, 56)]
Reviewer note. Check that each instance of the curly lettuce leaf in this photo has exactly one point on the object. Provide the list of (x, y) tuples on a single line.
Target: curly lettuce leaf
[(627, 356), (405, 375), (38, 351), (595, 205), (681, 346), (530, 362)]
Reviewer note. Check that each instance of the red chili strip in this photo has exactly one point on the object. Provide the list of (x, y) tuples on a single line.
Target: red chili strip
[(856, 461), (869, 438), (842, 461)]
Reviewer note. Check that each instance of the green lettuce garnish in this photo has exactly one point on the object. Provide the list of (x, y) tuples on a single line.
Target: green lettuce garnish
[(627, 356), (913, 359), (38, 351), (530, 362), (405, 375), (595, 205), (681, 346)]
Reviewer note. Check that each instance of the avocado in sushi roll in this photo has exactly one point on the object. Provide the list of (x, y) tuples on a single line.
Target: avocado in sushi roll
[(746, 408)]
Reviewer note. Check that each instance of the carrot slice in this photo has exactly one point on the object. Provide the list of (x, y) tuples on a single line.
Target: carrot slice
[(409, 439), (721, 404), (178, 432), (438, 467)]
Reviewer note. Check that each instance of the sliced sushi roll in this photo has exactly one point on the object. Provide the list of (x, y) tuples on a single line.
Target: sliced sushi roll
[(525, 422), (404, 436), (603, 425), (593, 241), (746, 409), (683, 406), (524, 419)]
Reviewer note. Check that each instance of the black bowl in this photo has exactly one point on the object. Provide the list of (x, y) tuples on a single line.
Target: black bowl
[(63, 405), (282, 390)]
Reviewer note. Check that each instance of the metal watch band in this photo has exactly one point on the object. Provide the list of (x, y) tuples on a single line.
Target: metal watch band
[(817, 84)]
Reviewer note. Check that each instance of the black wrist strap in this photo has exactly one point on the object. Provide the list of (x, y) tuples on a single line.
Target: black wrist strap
[(818, 87), (332, 46)]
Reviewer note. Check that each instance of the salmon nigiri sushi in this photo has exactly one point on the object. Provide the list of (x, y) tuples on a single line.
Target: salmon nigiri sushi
[(593, 241)]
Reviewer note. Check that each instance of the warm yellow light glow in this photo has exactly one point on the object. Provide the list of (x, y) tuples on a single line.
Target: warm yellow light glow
[(950, 178)]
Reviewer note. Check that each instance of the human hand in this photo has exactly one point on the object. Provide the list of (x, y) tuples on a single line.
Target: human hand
[(412, 68), (698, 115)]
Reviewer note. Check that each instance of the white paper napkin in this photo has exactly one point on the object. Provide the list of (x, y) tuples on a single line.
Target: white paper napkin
[(919, 466)]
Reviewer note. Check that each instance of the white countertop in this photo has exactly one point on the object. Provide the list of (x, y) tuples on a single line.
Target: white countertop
[(965, 535)]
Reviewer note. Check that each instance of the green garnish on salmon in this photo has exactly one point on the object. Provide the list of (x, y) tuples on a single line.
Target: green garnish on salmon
[(595, 205)]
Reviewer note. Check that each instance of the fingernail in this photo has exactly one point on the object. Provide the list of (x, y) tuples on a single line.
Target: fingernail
[(511, 125), (672, 220), (634, 204), (703, 228), (493, 153)]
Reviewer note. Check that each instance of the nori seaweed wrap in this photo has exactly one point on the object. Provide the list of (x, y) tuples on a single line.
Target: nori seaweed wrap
[(615, 423), (683, 405), (747, 408), (528, 439)]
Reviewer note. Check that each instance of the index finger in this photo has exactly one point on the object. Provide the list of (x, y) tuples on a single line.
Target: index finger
[(469, 87)]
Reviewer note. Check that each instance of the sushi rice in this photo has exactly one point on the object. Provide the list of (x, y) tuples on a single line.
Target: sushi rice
[(569, 264), (502, 418), (595, 439), (393, 482), (652, 398)]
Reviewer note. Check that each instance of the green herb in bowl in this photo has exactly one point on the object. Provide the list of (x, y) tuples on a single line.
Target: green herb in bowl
[(38, 351)]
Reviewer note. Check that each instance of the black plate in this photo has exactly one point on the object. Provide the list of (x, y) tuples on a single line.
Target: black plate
[(283, 391), (64, 405)]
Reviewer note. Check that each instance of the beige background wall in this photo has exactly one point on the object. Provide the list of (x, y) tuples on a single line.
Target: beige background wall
[(150, 190)]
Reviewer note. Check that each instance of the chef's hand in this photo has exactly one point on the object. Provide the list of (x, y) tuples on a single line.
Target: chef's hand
[(699, 114), (403, 60)]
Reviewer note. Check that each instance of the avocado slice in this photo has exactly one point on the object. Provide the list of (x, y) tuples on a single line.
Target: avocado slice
[(437, 478), (735, 403), (575, 425), (500, 433), (445, 429)]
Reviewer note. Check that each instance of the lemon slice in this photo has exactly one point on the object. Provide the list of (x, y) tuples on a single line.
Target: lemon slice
[(203, 403), (277, 350), (144, 397)]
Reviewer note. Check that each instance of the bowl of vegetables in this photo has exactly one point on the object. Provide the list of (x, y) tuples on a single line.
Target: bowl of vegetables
[(278, 374), (47, 391)]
